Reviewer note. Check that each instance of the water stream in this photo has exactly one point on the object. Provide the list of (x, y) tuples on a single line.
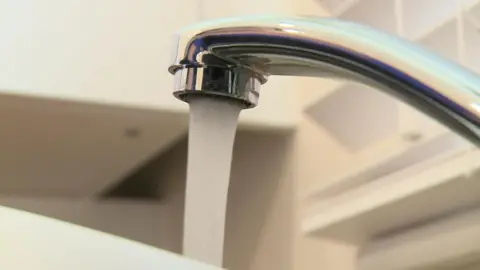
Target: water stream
[(213, 124)]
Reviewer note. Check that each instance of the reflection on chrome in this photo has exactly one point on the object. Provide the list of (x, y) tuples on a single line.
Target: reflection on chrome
[(231, 58)]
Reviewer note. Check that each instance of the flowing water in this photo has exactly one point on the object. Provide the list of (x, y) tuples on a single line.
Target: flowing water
[(213, 124)]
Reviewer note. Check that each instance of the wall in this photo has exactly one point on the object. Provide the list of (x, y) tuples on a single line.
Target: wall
[(317, 155), (260, 214), (260, 217), (269, 175)]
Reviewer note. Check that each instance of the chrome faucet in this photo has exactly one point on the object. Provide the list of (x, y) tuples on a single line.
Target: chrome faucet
[(231, 58)]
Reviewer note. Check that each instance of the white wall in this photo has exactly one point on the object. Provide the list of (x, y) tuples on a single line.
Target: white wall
[(317, 155), (260, 214), (260, 218), (268, 178)]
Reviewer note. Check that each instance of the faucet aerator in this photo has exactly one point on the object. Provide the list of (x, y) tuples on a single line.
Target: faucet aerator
[(231, 84)]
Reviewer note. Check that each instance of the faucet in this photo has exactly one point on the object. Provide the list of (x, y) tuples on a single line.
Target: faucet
[(231, 58)]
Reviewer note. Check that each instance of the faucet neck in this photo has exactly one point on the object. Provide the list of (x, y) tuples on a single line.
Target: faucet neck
[(233, 57)]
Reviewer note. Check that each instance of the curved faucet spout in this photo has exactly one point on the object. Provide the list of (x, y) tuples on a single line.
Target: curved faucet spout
[(231, 58)]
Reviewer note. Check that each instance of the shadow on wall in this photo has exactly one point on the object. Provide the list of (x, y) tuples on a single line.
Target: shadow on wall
[(260, 218), (260, 214), (259, 227)]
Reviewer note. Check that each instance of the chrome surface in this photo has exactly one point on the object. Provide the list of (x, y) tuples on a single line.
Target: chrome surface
[(232, 57), (234, 83)]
